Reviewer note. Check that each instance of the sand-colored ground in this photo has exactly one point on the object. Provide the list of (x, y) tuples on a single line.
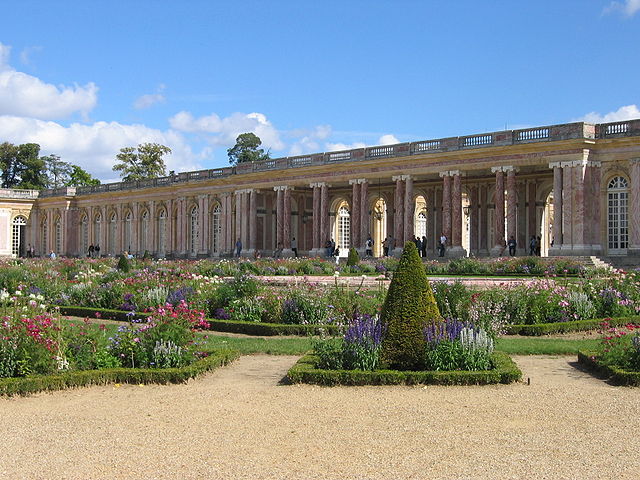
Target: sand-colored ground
[(240, 422)]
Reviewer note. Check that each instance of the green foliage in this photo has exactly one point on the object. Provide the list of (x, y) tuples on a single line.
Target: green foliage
[(123, 264), (353, 258), (11, 277), (78, 177), (247, 150), (21, 166), (449, 355), (408, 308), (614, 374), (503, 370), (565, 327), (141, 162)]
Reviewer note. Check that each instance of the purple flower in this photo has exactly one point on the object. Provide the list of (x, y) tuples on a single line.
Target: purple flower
[(365, 330), (449, 330)]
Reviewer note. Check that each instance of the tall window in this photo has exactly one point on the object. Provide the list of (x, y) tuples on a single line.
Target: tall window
[(194, 228), (162, 233), (617, 215), (113, 227), (128, 227), (17, 236), (58, 236), (97, 230), (144, 231), (344, 225), (216, 228), (44, 237), (84, 235), (421, 224)]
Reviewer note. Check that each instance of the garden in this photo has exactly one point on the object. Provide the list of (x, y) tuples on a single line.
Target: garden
[(354, 326)]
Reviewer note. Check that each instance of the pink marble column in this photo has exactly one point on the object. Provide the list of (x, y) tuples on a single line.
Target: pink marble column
[(364, 214), (245, 220), (579, 170), (253, 220), (279, 217), (315, 243), (286, 231), (355, 212), (446, 205), (456, 211), (431, 217), (238, 222), (634, 207), (152, 228), (324, 214), (499, 241), (596, 178), (398, 217), (228, 200), (205, 230), (483, 234), (409, 210), (512, 199), (557, 205), (532, 228), (473, 219), (567, 207)]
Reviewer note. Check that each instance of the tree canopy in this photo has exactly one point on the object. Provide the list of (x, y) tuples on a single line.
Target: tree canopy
[(247, 149), (22, 166), (141, 162)]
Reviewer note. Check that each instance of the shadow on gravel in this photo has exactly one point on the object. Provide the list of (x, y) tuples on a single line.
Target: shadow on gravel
[(598, 375), (285, 381)]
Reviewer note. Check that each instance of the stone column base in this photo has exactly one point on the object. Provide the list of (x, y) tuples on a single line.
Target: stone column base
[(499, 251), (287, 253), (317, 252), (633, 251), (397, 252), (455, 252)]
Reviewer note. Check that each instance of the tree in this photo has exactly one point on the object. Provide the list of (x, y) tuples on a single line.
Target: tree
[(80, 178), (408, 308), (57, 171), (141, 162), (21, 166), (247, 149)]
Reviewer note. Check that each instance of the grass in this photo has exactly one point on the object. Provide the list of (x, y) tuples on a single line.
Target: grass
[(544, 346), (270, 346)]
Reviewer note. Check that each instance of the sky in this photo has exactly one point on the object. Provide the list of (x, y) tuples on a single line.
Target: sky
[(85, 79)]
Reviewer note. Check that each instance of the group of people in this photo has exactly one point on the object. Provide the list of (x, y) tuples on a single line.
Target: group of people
[(534, 245), (94, 251)]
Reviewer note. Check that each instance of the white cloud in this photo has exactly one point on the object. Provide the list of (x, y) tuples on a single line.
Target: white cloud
[(334, 147), (26, 53), (94, 146), (224, 131), (627, 112), (629, 8), (146, 101), (308, 141), (25, 95), (388, 140)]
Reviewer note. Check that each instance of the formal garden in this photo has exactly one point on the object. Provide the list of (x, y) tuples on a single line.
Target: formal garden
[(155, 321)]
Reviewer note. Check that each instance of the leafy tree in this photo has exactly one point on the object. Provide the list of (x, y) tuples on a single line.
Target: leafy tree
[(141, 162), (80, 178), (247, 149), (408, 308), (21, 166), (57, 171)]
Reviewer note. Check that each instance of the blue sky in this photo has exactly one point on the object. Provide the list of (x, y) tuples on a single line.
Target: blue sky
[(84, 79)]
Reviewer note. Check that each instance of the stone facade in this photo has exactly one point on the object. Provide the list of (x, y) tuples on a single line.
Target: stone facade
[(576, 186)]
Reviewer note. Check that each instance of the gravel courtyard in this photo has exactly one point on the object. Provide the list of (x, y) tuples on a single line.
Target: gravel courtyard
[(241, 422)]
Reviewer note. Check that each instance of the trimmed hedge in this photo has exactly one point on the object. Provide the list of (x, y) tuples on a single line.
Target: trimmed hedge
[(216, 325), (616, 376), (305, 371), (83, 378), (564, 327)]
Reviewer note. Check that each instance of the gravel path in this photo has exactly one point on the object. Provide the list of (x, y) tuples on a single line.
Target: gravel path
[(241, 422)]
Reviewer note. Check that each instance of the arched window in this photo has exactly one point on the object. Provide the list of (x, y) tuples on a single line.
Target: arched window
[(128, 228), (58, 236), (344, 226), (216, 229), (162, 232), (113, 228), (17, 236), (194, 233), (144, 231), (44, 237), (97, 230), (617, 215), (421, 224), (84, 235)]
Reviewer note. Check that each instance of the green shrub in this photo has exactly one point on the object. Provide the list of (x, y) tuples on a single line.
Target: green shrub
[(123, 264), (353, 259), (408, 308)]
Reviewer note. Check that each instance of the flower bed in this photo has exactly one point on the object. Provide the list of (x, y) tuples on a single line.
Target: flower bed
[(615, 375), (504, 371)]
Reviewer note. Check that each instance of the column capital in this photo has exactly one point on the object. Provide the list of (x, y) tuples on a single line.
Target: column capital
[(633, 161), (400, 177), (357, 181), (244, 190), (504, 168), (282, 188), (319, 184)]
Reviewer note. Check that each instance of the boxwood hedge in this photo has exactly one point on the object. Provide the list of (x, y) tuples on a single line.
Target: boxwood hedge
[(616, 376), (565, 327), (504, 371)]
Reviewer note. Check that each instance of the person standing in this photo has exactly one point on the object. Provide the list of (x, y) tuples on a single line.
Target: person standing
[(443, 244), (96, 250), (52, 255), (424, 246), (91, 250), (238, 248), (29, 251), (385, 247), (294, 246), (369, 250), (532, 245), (538, 245), (512, 246), (418, 245)]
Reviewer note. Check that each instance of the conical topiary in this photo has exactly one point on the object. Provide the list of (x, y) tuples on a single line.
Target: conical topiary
[(408, 308), (353, 257), (123, 264)]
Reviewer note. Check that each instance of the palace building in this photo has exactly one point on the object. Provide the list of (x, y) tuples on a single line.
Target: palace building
[(576, 186)]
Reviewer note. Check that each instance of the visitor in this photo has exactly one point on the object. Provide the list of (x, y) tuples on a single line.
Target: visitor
[(328, 250), (96, 250), (533, 248), (336, 253), (32, 251), (538, 245), (392, 245), (385, 247), (294, 246), (418, 245), (238, 248), (29, 251), (333, 247), (424, 246), (512, 246), (443, 245), (369, 247), (52, 255), (278, 252), (91, 250), (256, 254)]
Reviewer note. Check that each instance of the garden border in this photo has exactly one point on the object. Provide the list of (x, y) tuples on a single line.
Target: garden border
[(83, 378), (216, 325), (539, 329), (616, 376), (505, 371)]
